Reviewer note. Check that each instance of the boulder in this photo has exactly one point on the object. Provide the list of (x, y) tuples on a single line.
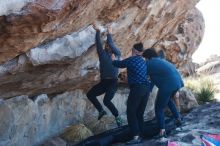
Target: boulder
[(57, 52), (187, 100)]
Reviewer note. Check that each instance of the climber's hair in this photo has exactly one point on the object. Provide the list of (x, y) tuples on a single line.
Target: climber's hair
[(162, 54), (108, 49), (150, 53), (139, 47)]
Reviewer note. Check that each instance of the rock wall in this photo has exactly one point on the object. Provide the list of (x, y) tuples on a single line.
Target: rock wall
[(47, 54), (26, 122), (48, 46)]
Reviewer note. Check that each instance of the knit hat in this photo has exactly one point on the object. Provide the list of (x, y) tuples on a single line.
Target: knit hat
[(138, 47)]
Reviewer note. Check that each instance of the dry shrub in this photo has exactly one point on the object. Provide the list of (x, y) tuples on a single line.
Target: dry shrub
[(76, 133)]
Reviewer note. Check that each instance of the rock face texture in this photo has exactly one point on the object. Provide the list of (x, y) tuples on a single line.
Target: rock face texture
[(179, 46), (187, 100), (27, 121), (48, 46), (48, 57)]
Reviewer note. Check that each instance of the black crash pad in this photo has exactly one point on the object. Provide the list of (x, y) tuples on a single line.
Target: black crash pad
[(123, 134)]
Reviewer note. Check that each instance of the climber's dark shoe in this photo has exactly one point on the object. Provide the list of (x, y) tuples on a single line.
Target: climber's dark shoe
[(101, 114)]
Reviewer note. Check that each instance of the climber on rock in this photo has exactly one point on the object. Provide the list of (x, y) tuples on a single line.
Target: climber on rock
[(108, 75), (139, 91), (168, 80)]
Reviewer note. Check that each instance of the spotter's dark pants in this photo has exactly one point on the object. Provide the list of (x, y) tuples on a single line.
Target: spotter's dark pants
[(136, 104)]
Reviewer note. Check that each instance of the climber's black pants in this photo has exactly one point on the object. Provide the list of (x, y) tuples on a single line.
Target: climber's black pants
[(107, 86), (136, 104)]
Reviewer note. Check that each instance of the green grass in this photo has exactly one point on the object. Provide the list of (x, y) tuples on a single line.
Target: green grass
[(202, 87)]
